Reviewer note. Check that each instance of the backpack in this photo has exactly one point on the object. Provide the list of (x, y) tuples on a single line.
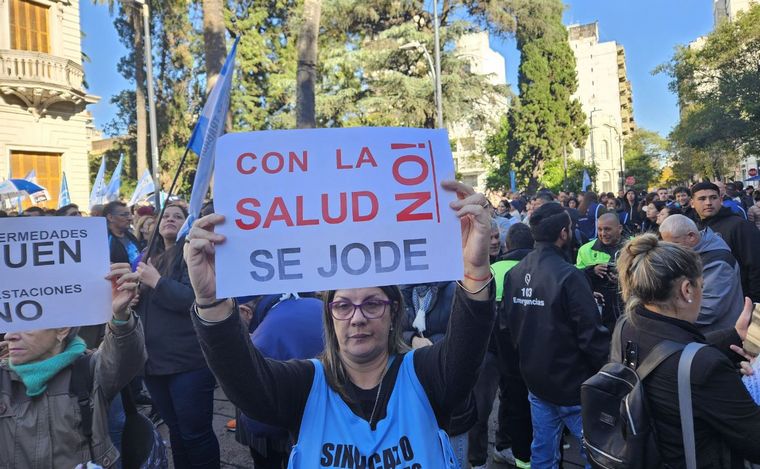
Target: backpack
[(618, 431), (141, 445)]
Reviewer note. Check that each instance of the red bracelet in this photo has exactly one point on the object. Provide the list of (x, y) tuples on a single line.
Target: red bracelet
[(487, 277)]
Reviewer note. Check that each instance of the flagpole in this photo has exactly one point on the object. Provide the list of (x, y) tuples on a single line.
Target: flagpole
[(153, 235)]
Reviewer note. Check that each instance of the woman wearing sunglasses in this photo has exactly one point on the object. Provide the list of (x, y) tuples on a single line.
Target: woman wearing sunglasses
[(367, 401)]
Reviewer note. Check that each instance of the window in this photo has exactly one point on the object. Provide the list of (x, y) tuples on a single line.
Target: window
[(605, 150), (48, 169), (29, 26)]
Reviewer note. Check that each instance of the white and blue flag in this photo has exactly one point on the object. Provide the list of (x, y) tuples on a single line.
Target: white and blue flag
[(112, 191), (143, 189), (99, 186), (203, 140), (63, 196), (586, 180)]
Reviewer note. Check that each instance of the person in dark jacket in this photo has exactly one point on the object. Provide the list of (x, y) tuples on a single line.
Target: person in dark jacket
[(590, 210), (550, 311), (662, 287), (176, 375), (740, 235), (631, 217), (722, 297), (122, 243)]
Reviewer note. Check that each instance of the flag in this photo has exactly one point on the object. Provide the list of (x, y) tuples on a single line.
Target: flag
[(63, 196), (203, 140), (99, 186), (112, 191), (586, 180), (512, 182), (143, 188)]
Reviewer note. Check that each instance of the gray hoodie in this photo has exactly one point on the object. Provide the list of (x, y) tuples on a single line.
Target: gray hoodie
[(722, 299)]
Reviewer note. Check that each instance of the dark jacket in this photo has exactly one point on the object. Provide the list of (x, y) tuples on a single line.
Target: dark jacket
[(554, 322), (726, 419), (744, 240), (436, 318), (722, 299), (165, 313)]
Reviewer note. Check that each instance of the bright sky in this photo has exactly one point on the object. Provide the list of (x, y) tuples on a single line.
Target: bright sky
[(648, 29)]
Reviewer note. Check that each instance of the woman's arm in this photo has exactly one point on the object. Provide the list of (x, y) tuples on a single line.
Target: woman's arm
[(122, 354), (266, 390), (448, 370), (270, 391)]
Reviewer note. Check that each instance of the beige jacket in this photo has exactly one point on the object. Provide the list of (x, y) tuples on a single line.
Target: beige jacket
[(43, 432)]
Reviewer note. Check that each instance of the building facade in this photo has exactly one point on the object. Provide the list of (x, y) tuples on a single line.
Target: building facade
[(469, 135), (44, 123), (606, 97)]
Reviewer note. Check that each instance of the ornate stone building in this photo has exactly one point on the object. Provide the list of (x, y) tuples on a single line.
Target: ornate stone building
[(44, 123)]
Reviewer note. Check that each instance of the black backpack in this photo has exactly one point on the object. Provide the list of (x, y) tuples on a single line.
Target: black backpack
[(618, 431), (141, 445)]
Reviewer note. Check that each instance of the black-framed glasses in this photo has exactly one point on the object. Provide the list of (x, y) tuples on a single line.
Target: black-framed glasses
[(371, 309)]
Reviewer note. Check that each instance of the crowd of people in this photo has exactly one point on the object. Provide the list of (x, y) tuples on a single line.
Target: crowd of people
[(406, 375)]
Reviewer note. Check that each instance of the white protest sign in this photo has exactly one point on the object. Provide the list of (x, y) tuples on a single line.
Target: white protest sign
[(318, 209), (52, 271)]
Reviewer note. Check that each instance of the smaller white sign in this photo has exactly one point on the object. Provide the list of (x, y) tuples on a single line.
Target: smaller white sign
[(52, 271)]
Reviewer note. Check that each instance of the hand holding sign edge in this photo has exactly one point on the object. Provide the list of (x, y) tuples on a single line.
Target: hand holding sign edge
[(200, 253), (476, 232), (123, 288)]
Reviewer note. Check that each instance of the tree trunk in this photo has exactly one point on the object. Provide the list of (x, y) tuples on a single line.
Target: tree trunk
[(214, 40), (140, 103), (306, 74)]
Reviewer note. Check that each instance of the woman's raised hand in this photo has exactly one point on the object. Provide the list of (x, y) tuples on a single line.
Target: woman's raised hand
[(123, 288), (474, 214), (200, 251)]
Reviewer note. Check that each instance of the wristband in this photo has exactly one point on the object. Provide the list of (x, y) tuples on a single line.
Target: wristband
[(211, 305)]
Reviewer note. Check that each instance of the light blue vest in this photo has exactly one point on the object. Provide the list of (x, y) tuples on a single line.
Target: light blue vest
[(332, 435)]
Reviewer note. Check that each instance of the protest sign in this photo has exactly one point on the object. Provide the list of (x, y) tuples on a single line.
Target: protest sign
[(52, 272), (316, 209)]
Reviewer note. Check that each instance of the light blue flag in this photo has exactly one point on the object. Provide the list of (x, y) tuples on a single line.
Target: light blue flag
[(63, 196), (143, 188), (99, 186), (586, 180), (112, 191), (512, 182), (203, 140)]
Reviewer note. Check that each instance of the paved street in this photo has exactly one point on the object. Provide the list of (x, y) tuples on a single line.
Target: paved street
[(235, 455)]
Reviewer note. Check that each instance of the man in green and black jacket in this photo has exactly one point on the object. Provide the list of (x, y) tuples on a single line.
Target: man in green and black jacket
[(597, 259)]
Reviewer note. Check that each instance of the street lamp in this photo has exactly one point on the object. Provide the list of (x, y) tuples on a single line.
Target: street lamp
[(151, 101), (620, 150), (591, 134), (433, 74)]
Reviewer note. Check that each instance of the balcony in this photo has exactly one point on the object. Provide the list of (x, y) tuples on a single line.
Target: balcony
[(40, 80)]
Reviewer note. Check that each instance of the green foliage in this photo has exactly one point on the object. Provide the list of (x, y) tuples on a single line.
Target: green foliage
[(553, 177), (546, 119), (718, 85), (642, 152)]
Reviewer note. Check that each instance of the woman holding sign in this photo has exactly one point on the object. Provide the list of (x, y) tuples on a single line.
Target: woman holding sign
[(47, 379), (367, 401), (178, 379)]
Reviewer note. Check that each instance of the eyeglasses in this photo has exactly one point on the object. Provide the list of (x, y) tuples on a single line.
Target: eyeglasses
[(371, 309)]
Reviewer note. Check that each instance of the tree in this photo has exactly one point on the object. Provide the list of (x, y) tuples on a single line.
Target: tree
[(643, 151), (545, 119), (717, 85), (553, 177), (306, 74), (214, 40)]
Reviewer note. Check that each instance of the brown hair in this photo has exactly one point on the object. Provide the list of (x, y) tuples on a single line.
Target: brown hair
[(330, 357), (649, 269)]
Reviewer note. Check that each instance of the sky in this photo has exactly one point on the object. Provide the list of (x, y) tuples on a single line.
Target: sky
[(648, 29)]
